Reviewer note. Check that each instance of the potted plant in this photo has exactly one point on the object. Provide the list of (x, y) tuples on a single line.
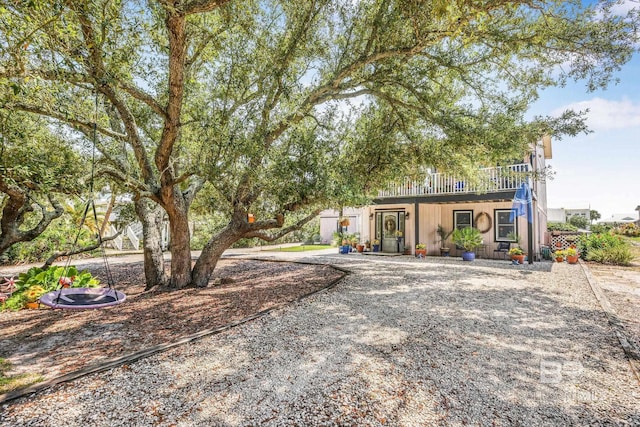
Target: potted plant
[(421, 250), (517, 254), (559, 254), (468, 238), (376, 245), (444, 235), (345, 245), (572, 255)]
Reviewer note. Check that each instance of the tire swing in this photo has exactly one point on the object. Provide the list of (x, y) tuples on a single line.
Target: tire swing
[(86, 298)]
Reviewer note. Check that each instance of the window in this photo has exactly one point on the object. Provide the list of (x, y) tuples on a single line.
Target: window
[(503, 226), (462, 219)]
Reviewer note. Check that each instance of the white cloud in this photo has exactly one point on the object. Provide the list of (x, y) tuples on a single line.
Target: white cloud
[(606, 114), (624, 7), (620, 9)]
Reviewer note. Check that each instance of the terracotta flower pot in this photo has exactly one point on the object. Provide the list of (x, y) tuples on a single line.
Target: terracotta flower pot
[(572, 259), (559, 259), (32, 305), (421, 252), (519, 258), (360, 248)]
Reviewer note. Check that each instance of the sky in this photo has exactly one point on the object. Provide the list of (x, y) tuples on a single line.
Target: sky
[(600, 170)]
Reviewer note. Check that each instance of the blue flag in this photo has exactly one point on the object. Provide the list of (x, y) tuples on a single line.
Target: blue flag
[(522, 204)]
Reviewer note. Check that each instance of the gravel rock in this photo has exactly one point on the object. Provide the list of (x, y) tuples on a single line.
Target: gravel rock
[(399, 342)]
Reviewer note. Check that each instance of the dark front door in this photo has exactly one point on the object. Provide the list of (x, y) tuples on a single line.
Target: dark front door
[(390, 229)]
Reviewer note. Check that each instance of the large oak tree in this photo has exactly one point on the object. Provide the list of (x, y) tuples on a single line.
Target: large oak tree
[(282, 107)]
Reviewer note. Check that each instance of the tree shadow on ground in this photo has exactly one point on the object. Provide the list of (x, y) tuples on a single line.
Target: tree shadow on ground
[(54, 342)]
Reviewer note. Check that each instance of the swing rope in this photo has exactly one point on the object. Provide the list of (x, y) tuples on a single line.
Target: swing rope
[(91, 204)]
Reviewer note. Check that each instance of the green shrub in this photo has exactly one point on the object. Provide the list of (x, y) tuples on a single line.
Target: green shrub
[(579, 221), (600, 228), (617, 255), (589, 242), (561, 226), (49, 279)]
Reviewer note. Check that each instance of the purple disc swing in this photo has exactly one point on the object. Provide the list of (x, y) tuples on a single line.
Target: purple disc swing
[(86, 298), (83, 298)]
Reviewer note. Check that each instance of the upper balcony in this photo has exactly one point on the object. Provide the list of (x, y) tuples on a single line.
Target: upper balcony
[(489, 180)]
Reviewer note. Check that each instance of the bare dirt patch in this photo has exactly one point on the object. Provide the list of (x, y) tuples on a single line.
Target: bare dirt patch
[(54, 342)]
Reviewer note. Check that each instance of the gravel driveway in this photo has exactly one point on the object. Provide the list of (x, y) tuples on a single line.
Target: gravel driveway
[(398, 342)]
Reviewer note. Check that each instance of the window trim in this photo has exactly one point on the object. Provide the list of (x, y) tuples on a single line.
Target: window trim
[(496, 225), (455, 219)]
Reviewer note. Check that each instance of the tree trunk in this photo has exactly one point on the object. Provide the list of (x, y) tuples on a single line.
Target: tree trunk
[(151, 216), (211, 254), (180, 249)]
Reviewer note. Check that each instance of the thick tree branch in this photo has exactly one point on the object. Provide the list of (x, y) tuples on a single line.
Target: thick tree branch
[(176, 26), (259, 227), (84, 126), (13, 217), (96, 69), (200, 6), (88, 248), (146, 98)]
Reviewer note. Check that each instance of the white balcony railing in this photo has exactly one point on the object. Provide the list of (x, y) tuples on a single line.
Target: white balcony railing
[(488, 180)]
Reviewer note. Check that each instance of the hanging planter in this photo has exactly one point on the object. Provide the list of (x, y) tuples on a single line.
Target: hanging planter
[(251, 219), (344, 222)]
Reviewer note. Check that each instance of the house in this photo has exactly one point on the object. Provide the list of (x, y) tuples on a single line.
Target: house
[(556, 215), (565, 214), (583, 212), (409, 211), (618, 219)]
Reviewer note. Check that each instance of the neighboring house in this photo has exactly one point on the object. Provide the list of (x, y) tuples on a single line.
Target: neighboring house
[(329, 224), (583, 212), (565, 214), (618, 219), (638, 221), (415, 208), (556, 215)]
